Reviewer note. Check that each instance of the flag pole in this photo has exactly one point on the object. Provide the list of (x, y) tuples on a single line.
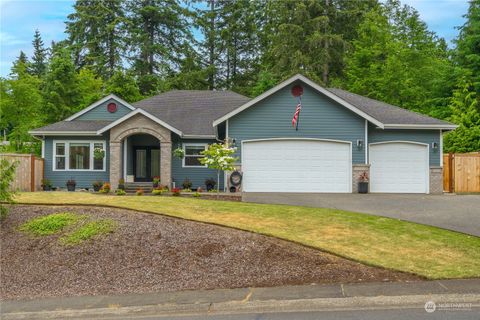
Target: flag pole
[(298, 118)]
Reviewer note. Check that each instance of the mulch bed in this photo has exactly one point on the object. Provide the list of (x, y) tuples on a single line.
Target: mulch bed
[(149, 253)]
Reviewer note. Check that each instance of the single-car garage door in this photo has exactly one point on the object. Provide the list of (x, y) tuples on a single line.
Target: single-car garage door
[(296, 165), (399, 167)]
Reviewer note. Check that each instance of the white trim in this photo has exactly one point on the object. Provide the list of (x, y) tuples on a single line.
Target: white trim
[(43, 148), (225, 181), (99, 102), (420, 126), (187, 144), (309, 139), (62, 133), (427, 145), (310, 83), (146, 114), (198, 136), (365, 145), (125, 147), (441, 148), (67, 155)]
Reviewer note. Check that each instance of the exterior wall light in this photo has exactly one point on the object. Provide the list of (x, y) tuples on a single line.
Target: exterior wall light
[(359, 144), (434, 145)]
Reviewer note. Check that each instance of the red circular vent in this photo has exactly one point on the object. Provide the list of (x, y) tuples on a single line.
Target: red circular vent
[(112, 107), (297, 91)]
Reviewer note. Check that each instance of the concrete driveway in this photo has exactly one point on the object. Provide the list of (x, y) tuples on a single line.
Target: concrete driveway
[(455, 212)]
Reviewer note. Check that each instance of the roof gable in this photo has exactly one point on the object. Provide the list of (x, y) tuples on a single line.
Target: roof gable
[(98, 110)]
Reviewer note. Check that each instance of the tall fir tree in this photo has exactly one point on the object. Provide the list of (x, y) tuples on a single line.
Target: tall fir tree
[(38, 65)]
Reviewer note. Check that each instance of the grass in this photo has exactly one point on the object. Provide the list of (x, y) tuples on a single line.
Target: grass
[(51, 224), (88, 231), (427, 251)]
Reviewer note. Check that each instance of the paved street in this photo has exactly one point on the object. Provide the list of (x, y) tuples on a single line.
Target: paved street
[(455, 212)]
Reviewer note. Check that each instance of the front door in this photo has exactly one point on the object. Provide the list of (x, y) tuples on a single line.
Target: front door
[(146, 163)]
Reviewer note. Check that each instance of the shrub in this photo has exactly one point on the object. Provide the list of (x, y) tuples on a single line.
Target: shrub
[(106, 188), (199, 189), (186, 190), (159, 192), (7, 174), (140, 192), (187, 184), (176, 192), (197, 195), (120, 192), (97, 185)]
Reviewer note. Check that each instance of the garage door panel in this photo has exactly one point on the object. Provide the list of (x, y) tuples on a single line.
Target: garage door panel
[(399, 167), (296, 166)]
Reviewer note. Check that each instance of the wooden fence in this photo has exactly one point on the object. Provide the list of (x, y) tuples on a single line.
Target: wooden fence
[(461, 172), (29, 172)]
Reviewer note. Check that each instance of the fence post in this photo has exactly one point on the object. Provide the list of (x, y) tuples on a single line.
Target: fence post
[(32, 173)]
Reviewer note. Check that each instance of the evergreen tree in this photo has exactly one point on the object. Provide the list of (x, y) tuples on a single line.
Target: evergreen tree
[(96, 35), (38, 66), (123, 85), (157, 32)]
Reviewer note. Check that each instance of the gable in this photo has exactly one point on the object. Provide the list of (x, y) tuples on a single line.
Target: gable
[(100, 112), (320, 117)]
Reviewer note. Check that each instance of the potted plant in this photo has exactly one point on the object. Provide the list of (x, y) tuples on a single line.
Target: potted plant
[(98, 153), (210, 184), (46, 185), (156, 181), (121, 184), (97, 185), (71, 184), (176, 192), (179, 153), (363, 183), (187, 184)]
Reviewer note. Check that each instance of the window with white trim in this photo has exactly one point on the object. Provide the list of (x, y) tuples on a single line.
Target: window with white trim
[(78, 156), (193, 155)]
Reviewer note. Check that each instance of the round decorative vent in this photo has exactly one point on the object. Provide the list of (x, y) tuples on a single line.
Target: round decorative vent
[(112, 107), (297, 91)]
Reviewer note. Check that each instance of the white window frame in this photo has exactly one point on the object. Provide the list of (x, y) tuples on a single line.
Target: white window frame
[(67, 155), (185, 145)]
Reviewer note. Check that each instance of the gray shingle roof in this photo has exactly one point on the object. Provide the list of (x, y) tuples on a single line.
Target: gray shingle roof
[(192, 111), (74, 125), (384, 112)]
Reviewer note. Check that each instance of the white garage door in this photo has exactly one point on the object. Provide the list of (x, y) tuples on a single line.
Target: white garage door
[(399, 167), (296, 165)]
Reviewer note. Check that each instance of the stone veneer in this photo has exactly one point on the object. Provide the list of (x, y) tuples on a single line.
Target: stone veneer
[(136, 125), (357, 170), (436, 180)]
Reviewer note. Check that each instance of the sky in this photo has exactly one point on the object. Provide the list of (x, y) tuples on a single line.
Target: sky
[(20, 18)]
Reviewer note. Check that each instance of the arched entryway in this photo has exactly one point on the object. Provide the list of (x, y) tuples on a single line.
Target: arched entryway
[(134, 142)]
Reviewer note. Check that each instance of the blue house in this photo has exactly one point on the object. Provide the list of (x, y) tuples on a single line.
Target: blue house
[(337, 138)]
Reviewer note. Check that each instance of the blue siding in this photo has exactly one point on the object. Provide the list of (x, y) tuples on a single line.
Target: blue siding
[(84, 178), (320, 118), (423, 136), (100, 112), (196, 175)]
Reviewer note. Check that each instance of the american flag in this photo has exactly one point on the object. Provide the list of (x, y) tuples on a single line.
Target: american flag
[(296, 115)]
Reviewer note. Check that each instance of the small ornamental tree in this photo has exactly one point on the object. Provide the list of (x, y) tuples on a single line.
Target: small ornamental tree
[(7, 174), (219, 157)]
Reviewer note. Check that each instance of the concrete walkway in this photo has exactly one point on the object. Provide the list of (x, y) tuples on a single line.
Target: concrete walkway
[(455, 212), (257, 300)]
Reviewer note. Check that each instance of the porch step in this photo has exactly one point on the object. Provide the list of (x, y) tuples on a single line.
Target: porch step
[(132, 187)]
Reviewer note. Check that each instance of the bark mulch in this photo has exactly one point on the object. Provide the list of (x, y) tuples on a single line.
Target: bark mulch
[(148, 253)]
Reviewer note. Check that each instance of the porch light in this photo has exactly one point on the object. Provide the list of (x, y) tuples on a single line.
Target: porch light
[(359, 144), (434, 145)]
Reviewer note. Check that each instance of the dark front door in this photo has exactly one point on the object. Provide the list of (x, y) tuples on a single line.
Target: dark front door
[(146, 163)]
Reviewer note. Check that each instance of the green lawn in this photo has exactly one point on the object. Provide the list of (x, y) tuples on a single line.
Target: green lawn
[(428, 251)]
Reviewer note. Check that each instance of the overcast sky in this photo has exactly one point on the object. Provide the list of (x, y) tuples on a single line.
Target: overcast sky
[(20, 18)]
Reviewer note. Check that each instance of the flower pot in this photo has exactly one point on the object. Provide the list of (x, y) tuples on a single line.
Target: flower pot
[(210, 187), (47, 188), (95, 188), (155, 184), (363, 187), (71, 187)]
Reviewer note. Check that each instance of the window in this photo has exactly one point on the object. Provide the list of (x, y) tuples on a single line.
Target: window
[(77, 156), (60, 156), (193, 155)]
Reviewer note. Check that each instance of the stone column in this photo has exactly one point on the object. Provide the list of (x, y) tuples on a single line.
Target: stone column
[(436, 180), (166, 163), (115, 163), (357, 171)]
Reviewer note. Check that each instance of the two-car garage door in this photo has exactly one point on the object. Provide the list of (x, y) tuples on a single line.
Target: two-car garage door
[(296, 165)]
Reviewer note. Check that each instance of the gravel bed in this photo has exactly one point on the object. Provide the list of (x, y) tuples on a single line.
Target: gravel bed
[(149, 253)]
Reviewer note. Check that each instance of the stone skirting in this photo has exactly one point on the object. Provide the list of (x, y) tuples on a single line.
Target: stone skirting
[(357, 170), (436, 180)]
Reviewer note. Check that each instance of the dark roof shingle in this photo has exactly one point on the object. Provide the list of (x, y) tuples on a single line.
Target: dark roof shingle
[(75, 125), (192, 111)]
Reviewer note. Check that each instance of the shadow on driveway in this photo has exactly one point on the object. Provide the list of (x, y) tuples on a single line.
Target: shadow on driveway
[(455, 212)]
